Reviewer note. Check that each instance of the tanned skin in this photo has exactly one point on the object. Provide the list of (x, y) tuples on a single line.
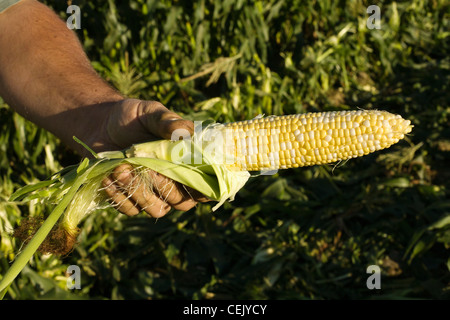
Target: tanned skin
[(46, 77)]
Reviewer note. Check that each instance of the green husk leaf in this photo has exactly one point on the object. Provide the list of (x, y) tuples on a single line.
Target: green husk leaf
[(86, 147), (190, 176), (83, 165), (22, 192)]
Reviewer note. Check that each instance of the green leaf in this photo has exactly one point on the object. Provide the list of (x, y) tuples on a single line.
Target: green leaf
[(83, 165), (86, 147), (20, 193), (441, 223)]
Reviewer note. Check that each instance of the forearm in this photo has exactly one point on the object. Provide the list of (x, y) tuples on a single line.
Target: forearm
[(46, 76)]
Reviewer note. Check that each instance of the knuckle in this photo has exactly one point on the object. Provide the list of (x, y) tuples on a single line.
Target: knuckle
[(153, 106)]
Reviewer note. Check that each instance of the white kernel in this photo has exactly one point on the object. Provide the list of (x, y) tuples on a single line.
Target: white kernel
[(288, 145), (299, 137), (311, 135), (260, 140), (366, 123), (352, 132), (355, 124), (275, 147), (292, 151), (327, 138)]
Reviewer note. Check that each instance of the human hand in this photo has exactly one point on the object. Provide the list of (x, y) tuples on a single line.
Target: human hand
[(132, 121), (65, 96)]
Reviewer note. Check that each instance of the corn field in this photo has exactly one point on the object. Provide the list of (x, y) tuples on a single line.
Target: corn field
[(301, 233)]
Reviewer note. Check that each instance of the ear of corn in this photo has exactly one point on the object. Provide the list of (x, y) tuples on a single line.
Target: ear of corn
[(293, 141), (218, 160)]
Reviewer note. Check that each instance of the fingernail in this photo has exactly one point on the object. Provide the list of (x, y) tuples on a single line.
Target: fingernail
[(173, 119)]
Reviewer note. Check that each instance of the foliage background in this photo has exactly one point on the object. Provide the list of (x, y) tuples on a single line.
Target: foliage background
[(308, 233)]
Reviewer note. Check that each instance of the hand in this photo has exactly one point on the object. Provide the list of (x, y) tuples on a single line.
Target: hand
[(132, 121), (65, 96)]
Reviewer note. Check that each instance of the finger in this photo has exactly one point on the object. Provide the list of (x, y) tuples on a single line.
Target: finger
[(194, 194), (171, 192), (174, 129), (140, 192), (162, 122), (122, 202)]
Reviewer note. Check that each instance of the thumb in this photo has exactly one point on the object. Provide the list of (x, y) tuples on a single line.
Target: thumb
[(162, 122), (175, 128)]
